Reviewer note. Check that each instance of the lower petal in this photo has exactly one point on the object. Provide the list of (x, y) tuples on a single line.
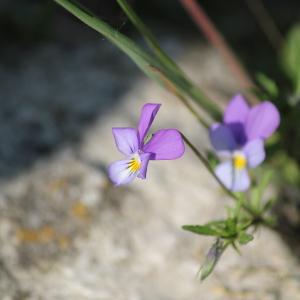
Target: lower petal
[(233, 179), (165, 144), (241, 181), (255, 152), (119, 172)]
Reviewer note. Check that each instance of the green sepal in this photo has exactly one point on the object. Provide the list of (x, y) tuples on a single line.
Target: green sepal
[(244, 238)]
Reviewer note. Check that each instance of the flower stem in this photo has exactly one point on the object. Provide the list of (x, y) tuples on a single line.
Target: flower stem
[(208, 166), (173, 90), (241, 202)]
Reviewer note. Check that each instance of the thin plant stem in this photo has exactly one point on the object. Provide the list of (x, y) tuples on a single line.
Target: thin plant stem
[(163, 57), (148, 37), (208, 166), (186, 103), (200, 156), (266, 23), (172, 89), (144, 60), (200, 18)]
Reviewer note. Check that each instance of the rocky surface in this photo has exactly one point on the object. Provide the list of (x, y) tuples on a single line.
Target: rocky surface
[(67, 233)]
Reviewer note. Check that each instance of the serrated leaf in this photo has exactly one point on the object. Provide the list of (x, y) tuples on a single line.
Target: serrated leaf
[(244, 238)]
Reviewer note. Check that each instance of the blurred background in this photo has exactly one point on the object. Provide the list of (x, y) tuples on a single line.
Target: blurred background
[(65, 232)]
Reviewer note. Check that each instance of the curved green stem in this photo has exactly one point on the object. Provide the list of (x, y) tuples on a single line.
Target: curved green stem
[(256, 218)]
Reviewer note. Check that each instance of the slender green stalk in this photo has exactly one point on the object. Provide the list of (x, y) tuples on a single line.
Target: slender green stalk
[(148, 36), (144, 60), (186, 103), (161, 55), (241, 203), (208, 166), (171, 88)]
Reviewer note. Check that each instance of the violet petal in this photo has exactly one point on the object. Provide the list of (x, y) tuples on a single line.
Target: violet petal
[(235, 116), (255, 152), (148, 114), (262, 121), (237, 110), (221, 138), (165, 144), (126, 140)]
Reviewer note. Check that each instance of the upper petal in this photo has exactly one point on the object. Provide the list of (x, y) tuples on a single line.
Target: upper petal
[(148, 114), (126, 140), (235, 116), (221, 138), (237, 110), (255, 152), (262, 121), (165, 144), (145, 157), (119, 172), (233, 179)]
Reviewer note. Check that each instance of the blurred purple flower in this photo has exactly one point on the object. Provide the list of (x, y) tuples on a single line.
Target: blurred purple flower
[(240, 140), (165, 144)]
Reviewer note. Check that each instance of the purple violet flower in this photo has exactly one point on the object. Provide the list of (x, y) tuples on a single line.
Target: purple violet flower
[(165, 144), (239, 141)]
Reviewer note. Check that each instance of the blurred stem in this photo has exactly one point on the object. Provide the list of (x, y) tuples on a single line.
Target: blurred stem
[(266, 23), (148, 36), (200, 18), (208, 166), (186, 103), (164, 58), (172, 88), (145, 61), (239, 199)]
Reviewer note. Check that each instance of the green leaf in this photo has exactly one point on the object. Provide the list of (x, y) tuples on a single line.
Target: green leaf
[(173, 81), (291, 57), (201, 229), (222, 228), (268, 85), (244, 238), (148, 36)]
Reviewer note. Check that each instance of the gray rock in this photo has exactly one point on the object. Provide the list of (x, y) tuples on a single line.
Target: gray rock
[(67, 233)]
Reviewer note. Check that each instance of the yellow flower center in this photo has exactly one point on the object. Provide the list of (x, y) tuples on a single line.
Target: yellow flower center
[(239, 161), (134, 164)]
